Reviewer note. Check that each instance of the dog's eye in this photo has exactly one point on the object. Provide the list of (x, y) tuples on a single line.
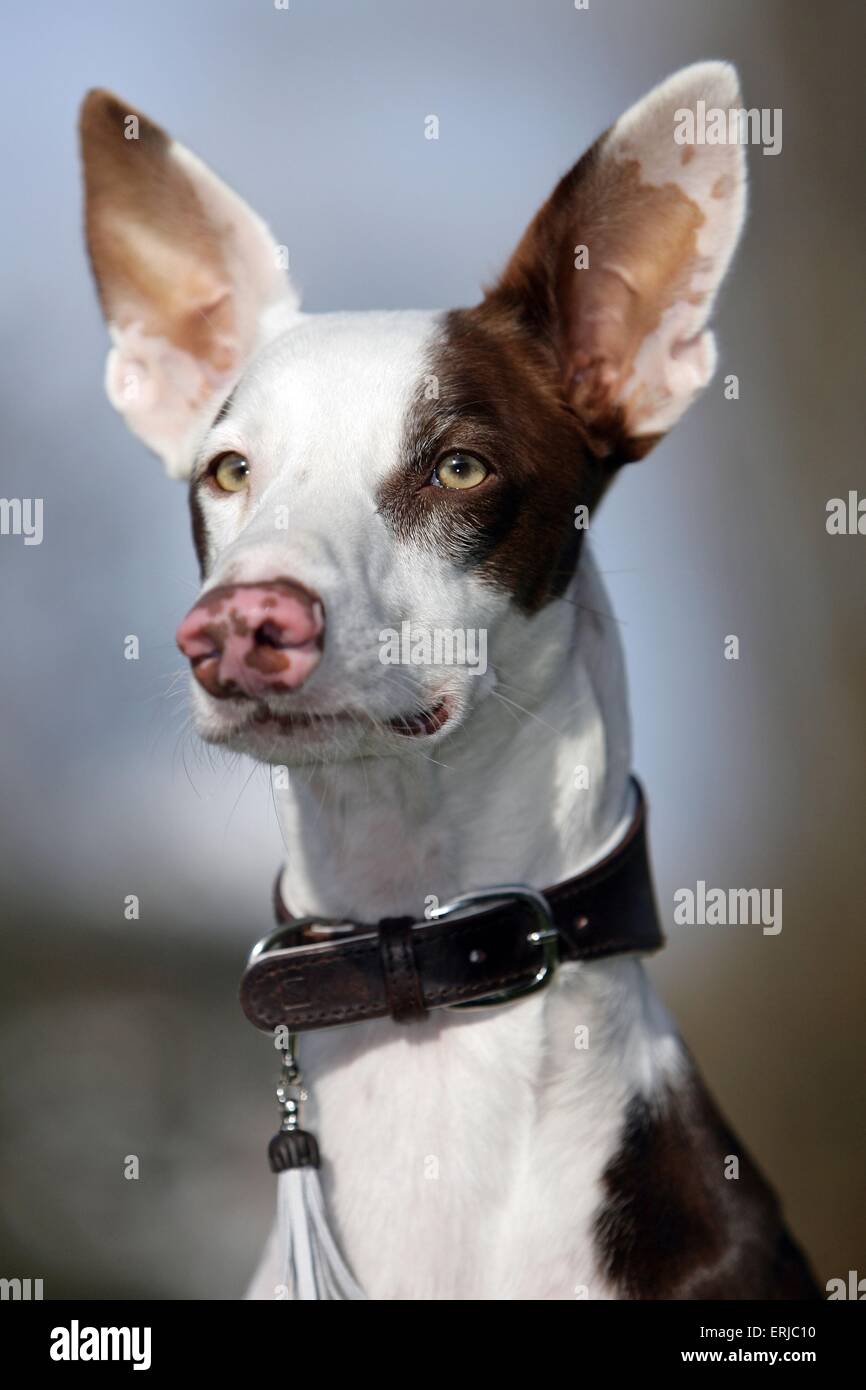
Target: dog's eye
[(460, 471), (230, 472)]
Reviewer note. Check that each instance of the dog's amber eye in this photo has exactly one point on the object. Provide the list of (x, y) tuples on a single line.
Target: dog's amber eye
[(459, 470), (230, 472)]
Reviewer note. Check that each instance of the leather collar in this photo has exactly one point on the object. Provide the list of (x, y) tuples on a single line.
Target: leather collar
[(505, 942)]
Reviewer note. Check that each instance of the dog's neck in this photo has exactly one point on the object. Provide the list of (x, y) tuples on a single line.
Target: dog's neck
[(533, 789)]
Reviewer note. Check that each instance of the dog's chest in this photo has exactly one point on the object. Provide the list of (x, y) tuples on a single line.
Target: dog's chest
[(463, 1157), (562, 1147)]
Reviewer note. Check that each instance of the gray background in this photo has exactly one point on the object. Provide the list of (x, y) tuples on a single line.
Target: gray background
[(124, 1038)]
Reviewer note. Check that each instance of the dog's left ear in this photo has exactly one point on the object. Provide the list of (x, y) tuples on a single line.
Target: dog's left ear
[(620, 267)]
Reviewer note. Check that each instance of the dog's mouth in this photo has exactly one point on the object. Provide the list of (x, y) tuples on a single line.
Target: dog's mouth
[(421, 724)]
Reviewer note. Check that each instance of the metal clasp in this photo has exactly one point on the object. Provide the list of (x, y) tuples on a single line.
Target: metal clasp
[(544, 935), (290, 1088), (274, 941)]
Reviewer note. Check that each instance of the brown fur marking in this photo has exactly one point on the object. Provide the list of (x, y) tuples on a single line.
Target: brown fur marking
[(642, 244), (138, 197), (499, 398), (674, 1227)]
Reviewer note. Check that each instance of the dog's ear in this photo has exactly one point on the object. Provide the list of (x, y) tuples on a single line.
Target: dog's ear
[(620, 267), (189, 278)]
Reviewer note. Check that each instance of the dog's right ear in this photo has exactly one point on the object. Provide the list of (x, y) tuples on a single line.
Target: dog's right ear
[(189, 278)]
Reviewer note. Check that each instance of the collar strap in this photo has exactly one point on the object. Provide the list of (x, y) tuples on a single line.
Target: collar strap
[(484, 948)]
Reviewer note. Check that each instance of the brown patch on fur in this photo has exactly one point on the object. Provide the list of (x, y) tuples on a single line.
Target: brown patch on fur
[(138, 197), (674, 1227), (723, 187), (533, 379), (199, 530), (642, 243), (499, 398), (224, 409), (687, 155)]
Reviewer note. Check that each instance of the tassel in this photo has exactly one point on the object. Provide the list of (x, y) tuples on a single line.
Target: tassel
[(312, 1267)]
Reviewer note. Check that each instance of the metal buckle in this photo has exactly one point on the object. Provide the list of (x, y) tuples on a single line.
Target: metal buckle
[(544, 935), (330, 926)]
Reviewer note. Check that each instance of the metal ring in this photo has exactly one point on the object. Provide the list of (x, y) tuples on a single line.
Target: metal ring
[(275, 938)]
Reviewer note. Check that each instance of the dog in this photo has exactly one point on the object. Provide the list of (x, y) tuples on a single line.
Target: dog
[(358, 476)]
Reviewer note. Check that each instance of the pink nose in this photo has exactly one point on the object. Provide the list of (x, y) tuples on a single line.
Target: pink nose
[(253, 639)]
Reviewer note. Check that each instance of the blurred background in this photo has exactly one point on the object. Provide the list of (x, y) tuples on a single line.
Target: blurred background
[(124, 1037)]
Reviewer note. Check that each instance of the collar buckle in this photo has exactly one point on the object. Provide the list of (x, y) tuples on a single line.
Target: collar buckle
[(543, 934), (289, 933)]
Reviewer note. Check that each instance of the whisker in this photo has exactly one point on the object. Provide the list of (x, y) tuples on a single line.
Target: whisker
[(527, 712), (598, 612)]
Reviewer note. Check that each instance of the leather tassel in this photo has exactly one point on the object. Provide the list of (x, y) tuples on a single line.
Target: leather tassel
[(312, 1267)]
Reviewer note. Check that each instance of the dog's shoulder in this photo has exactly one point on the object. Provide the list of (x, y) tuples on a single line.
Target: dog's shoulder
[(686, 1212)]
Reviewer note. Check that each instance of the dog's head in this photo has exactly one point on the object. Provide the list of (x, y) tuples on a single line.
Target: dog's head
[(384, 504)]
